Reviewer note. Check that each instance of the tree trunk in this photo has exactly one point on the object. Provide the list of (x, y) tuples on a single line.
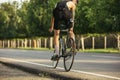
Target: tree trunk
[(0, 43), (30, 43), (40, 42), (105, 42), (3, 44), (25, 41), (118, 42), (93, 42), (14, 42), (82, 43), (11, 43), (51, 43), (18, 43), (8, 43), (34, 43), (22, 42), (45, 43), (78, 42)]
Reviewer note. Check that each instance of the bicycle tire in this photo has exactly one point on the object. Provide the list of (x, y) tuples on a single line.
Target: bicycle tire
[(55, 63), (69, 54)]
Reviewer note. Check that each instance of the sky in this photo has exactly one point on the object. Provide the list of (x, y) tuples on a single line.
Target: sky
[(2, 1)]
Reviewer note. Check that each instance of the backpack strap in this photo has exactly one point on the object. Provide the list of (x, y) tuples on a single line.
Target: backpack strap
[(61, 5)]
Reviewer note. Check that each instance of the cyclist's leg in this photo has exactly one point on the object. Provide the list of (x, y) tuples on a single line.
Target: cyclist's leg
[(56, 45), (72, 35), (56, 41), (56, 35)]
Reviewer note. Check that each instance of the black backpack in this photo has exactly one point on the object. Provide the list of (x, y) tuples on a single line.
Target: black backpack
[(61, 11)]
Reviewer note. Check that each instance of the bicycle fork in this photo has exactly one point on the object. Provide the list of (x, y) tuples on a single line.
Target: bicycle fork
[(62, 47)]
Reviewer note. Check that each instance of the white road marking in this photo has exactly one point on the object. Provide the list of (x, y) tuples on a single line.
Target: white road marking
[(10, 59), (78, 71)]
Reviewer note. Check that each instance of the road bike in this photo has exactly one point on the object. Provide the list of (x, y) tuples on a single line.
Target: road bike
[(66, 50)]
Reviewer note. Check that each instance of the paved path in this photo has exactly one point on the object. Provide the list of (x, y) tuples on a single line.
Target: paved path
[(86, 64)]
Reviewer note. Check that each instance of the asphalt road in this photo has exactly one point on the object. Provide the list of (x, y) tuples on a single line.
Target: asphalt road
[(95, 64)]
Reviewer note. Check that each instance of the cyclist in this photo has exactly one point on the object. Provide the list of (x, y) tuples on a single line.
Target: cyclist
[(63, 12)]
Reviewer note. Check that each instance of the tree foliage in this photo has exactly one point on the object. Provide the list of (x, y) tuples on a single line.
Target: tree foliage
[(98, 16), (31, 19)]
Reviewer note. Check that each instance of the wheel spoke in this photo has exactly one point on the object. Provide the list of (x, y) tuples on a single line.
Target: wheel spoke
[(69, 58)]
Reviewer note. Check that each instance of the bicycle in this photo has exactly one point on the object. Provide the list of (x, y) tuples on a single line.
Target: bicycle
[(66, 50)]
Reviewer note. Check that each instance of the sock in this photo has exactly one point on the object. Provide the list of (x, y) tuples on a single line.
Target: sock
[(56, 50), (74, 38)]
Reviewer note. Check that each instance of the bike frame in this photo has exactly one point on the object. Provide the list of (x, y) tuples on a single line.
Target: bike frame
[(61, 40), (68, 56)]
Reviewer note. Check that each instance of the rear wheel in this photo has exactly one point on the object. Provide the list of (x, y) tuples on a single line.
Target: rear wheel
[(55, 63), (69, 54)]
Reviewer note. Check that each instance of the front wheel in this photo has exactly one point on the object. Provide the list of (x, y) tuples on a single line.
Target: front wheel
[(69, 54), (55, 62)]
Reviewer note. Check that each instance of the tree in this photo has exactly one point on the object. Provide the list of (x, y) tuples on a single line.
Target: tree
[(98, 16), (23, 28), (8, 27), (33, 18)]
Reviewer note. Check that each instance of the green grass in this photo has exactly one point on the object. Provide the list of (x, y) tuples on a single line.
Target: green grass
[(109, 50), (42, 49)]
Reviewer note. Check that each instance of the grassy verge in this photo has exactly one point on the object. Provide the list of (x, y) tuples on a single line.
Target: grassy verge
[(42, 49), (109, 50)]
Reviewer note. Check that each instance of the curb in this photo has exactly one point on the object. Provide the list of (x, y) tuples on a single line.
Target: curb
[(36, 71)]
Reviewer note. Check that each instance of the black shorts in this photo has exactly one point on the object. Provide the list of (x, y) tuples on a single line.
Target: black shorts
[(58, 23)]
